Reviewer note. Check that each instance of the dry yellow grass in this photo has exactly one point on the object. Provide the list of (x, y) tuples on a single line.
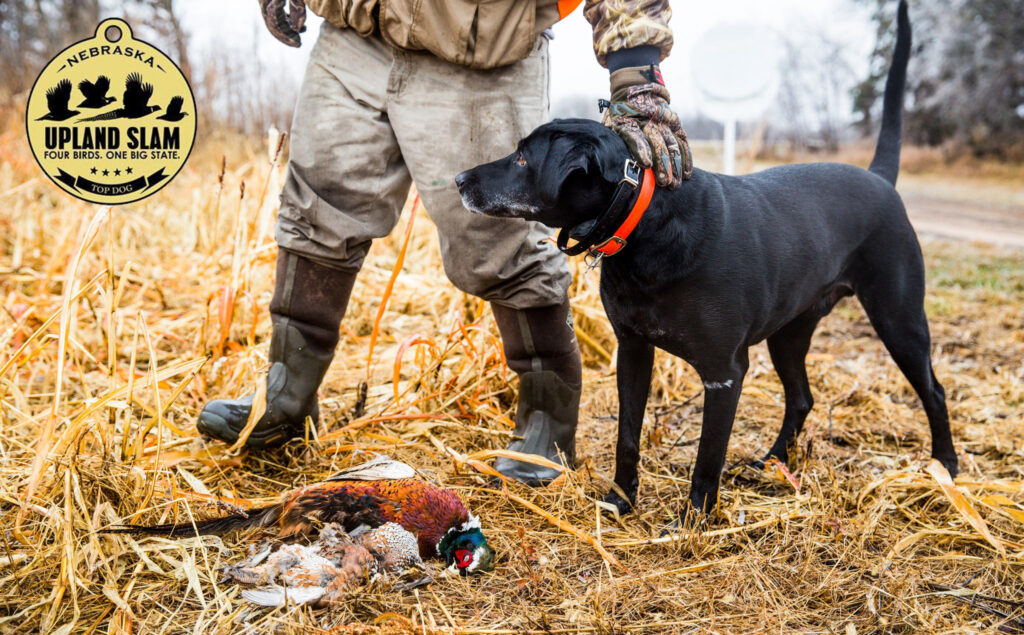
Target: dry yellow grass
[(143, 313)]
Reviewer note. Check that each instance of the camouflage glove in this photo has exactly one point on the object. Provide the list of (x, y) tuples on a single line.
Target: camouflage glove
[(639, 112), (285, 26)]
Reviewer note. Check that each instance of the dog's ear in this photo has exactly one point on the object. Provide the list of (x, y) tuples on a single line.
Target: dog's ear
[(580, 158), (609, 159), (601, 159), (574, 164)]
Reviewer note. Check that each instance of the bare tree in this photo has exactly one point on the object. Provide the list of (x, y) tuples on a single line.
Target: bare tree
[(31, 31), (28, 29), (815, 80), (163, 25), (967, 74)]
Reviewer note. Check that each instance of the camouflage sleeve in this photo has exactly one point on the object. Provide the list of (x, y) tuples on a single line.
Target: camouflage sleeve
[(624, 24)]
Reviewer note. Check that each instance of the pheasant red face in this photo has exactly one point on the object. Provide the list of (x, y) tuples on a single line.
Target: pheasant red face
[(465, 549)]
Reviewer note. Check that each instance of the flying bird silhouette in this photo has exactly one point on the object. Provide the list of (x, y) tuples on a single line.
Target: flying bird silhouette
[(375, 493), (173, 112), (134, 103), (95, 92), (57, 99)]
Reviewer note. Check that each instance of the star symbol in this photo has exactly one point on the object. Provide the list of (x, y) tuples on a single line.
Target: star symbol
[(127, 170), (92, 171), (106, 172), (117, 172)]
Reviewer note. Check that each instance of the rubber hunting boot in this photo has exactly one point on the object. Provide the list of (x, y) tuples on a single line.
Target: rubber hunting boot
[(540, 346), (306, 310)]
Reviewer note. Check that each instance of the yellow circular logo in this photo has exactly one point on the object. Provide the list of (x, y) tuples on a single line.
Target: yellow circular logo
[(111, 119)]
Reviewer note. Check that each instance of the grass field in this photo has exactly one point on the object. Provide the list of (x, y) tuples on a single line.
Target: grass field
[(117, 325)]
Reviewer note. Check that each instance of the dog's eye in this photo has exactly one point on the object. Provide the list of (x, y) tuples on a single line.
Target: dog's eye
[(521, 161)]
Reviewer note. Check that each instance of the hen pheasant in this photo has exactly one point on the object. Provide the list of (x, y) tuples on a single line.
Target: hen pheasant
[(326, 571), (381, 491)]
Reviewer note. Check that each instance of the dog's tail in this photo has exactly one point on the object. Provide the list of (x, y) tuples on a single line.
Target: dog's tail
[(886, 163), (214, 527)]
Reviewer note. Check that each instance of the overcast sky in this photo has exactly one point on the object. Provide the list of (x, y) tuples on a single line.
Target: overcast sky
[(574, 69)]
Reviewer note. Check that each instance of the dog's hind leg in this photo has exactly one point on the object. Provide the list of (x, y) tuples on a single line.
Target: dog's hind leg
[(788, 348), (633, 375), (894, 302)]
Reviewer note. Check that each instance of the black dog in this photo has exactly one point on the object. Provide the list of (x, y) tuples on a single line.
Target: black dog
[(722, 263)]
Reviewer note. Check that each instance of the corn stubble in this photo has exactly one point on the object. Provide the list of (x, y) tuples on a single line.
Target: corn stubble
[(118, 324)]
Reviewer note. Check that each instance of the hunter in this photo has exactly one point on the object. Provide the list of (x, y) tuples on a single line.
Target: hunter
[(415, 91)]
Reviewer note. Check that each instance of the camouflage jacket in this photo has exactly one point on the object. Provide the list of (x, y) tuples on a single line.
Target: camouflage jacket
[(625, 24), (496, 33)]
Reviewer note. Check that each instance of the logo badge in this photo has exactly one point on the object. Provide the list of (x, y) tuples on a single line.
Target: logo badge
[(111, 119)]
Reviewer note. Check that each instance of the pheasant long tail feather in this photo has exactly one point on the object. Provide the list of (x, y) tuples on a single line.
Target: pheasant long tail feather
[(214, 527), (113, 114)]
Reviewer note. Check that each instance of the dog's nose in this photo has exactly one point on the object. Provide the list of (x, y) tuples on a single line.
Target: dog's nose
[(460, 181)]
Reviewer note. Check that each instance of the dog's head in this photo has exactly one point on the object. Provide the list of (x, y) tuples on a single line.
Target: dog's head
[(562, 175)]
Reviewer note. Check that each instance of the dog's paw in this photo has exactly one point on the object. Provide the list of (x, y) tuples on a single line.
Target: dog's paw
[(952, 464), (624, 506)]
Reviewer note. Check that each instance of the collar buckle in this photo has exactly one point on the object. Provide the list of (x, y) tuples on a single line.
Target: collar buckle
[(597, 253), (631, 173), (620, 243)]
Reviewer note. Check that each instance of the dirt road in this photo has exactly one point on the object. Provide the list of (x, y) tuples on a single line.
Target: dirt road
[(941, 206), (989, 213), (966, 210)]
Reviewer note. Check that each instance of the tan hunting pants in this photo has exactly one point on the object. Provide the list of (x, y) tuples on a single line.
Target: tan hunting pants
[(372, 119)]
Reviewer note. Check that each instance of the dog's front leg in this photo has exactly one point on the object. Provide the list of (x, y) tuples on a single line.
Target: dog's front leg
[(721, 395), (633, 370)]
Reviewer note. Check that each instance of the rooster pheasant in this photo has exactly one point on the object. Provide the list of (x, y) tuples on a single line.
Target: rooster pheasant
[(371, 494)]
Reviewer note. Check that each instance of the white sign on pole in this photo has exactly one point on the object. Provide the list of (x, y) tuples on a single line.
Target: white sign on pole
[(736, 70)]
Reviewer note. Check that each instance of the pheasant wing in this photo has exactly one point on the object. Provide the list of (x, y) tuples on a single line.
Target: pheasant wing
[(102, 86), (147, 92), (57, 98), (174, 107), (133, 99), (382, 468), (88, 89), (136, 94), (347, 504)]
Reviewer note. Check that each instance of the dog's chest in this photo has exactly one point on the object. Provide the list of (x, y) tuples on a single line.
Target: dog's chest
[(632, 308)]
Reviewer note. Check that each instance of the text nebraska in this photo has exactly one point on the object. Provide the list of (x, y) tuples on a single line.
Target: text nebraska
[(109, 138), (95, 51)]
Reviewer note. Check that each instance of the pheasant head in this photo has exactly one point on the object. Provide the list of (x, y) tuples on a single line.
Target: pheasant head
[(465, 549)]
